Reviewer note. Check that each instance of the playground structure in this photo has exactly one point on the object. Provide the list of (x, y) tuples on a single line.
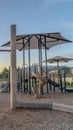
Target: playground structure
[(26, 42), (61, 72)]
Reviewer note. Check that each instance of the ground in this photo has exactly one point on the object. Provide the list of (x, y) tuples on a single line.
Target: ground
[(28, 119)]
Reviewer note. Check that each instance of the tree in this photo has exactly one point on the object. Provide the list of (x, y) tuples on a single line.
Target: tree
[(5, 73)]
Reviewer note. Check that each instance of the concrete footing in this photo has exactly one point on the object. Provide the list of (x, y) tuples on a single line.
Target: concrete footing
[(48, 106), (30, 105), (62, 107)]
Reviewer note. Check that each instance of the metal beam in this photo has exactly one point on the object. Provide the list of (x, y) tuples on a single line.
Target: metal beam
[(5, 50), (41, 41), (26, 42), (56, 38)]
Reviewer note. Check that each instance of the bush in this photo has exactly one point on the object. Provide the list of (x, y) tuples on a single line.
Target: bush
[(68, 84), (71, 83)]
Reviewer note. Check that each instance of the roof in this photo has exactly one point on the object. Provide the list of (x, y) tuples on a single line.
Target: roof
[(47, 40)]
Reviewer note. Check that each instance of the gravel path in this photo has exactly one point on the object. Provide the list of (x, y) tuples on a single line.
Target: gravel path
[(25, 119)]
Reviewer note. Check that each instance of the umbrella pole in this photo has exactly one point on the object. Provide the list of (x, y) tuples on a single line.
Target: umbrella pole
[(41, 62), (40, 59), (29, 77), (64, 82), (23, 66), (58, 72), (46, 63)]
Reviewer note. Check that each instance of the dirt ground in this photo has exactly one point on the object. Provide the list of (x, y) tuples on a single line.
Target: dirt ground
[(28, 119)]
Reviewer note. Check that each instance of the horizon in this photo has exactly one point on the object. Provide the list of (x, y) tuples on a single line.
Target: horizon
[(49, 67)]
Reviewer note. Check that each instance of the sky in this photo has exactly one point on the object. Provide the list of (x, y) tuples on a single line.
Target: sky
[(37, 16)]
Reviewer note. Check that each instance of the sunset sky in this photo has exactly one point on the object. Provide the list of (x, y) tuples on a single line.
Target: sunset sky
[(37, 16)]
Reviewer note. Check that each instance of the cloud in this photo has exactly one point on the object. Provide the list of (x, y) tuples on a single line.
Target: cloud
[(47, 3)]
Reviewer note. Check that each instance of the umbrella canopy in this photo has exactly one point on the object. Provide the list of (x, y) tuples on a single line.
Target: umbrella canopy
[(47, 40), (58, 59)]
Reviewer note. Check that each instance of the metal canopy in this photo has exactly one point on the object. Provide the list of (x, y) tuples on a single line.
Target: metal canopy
[(51, 39)]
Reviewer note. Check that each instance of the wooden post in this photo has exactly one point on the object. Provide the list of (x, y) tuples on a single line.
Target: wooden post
[(13, 67)]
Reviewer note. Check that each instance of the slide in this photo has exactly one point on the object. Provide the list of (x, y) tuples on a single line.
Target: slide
[(53, 83), (37, 88), (41, 79), (42, 82)]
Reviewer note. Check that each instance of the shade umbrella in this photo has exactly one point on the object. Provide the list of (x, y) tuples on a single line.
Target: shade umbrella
[(52, 39), (31, 41), (58, 59)]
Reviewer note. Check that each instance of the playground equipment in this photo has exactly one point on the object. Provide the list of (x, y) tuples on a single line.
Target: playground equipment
[(38, 86), (27, 42)]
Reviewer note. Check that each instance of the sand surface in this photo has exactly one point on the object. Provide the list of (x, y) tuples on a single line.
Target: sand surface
[(25, 119)]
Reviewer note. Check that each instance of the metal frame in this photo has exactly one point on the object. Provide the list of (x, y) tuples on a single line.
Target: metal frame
[(41, 43)]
